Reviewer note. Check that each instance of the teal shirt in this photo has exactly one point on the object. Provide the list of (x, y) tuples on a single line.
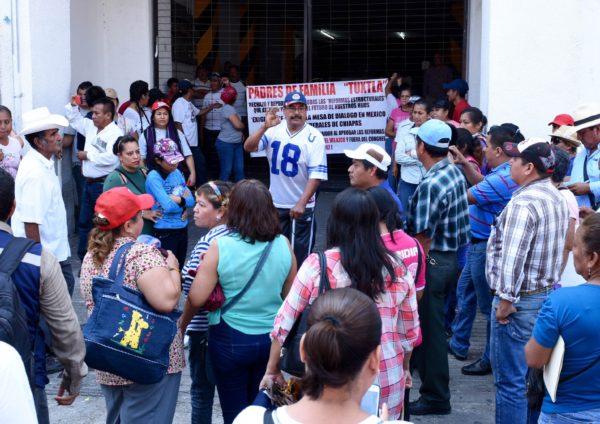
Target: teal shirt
[(255, 312)]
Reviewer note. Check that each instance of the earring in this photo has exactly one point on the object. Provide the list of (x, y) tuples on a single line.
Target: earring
[(218, 218)]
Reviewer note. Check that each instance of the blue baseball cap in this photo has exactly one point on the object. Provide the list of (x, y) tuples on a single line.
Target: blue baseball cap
[(459, 85), (294, 97), (435, 133)]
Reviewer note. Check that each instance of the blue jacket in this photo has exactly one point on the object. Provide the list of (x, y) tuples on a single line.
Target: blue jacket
[(160, 188)]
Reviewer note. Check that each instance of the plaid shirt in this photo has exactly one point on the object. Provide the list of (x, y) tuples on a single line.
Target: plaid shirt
[(439, 208), (397, 307), (524, 252)]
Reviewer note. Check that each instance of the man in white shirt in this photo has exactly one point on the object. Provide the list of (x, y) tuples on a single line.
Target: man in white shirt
[(298, 163), (97, 158), (40, 214)]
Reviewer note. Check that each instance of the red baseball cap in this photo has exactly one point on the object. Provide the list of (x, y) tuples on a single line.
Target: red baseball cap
[(158, 104), (119, 204), (562, 119)]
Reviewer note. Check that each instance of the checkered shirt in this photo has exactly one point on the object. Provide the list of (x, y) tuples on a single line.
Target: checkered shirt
[(397, 307), (524, 251), (439, 208)]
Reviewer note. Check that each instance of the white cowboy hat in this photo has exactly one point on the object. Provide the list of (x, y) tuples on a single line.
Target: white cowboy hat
[(586, 115), (568, 134), (41, 119)]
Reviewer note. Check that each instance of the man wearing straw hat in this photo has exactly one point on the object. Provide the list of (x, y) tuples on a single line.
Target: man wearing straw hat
[(585, 176), (40, 214)]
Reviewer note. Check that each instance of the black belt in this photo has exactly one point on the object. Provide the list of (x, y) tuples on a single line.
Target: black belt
[(475, 240), (95, 180)]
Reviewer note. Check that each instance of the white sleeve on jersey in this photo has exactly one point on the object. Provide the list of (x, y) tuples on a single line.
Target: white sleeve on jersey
[(317, 158)]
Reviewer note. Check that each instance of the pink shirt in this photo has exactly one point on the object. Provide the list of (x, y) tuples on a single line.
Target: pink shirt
[(406, 247), (398, 115)]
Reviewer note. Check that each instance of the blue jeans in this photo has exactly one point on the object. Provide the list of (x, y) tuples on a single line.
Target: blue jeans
[(507, 348), (472, 289), (199, 165), (239, 363), (91, 192), (202, 390), (231, 158), (405, 192), (589, 416)]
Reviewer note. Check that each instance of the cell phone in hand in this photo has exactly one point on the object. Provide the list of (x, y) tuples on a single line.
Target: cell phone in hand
[(370, 401), (78, 100)]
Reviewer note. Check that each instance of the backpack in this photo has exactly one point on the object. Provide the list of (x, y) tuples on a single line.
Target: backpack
[(13, 318)]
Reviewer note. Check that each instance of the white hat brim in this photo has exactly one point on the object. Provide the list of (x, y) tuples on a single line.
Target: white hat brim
[(50, 122), (587, 125)]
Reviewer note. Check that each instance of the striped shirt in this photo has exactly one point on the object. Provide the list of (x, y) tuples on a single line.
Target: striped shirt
[(397, 307), (525, 247), (200, 320), (439, 208), (491, 194)]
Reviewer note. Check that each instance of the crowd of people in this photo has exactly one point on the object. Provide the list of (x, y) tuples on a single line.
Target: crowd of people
[(449, 216)]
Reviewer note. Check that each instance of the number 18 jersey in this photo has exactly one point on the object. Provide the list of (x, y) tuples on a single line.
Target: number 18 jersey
[(293, 160)]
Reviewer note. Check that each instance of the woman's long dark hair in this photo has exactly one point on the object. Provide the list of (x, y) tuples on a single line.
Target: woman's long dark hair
[(353, 227)]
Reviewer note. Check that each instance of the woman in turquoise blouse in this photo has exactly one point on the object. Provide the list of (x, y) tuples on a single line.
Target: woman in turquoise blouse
[(239, 337)]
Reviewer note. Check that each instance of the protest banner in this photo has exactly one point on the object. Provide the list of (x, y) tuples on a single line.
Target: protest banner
[(346, 112)]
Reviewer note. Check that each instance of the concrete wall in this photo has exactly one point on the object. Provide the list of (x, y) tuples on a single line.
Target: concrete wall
[(112, 43), (539, 57)]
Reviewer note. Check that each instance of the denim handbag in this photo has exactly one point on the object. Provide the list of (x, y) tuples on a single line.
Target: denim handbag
[(125, 335)]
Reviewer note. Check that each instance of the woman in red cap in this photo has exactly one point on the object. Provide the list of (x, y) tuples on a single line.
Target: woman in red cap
[(163, 126), (229, 141), (118, 220)]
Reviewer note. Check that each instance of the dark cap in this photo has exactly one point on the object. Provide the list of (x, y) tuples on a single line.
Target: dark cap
[(184, 85), (459, 85), (535, 150), (214, 75)]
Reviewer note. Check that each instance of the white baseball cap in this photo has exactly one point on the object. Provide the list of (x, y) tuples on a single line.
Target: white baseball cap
[(372, 153)]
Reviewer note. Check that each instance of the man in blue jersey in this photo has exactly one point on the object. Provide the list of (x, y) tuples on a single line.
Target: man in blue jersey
[(298, 163), (487, 197)]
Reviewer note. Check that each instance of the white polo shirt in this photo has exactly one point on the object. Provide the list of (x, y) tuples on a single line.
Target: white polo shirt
[(39, 201), (98, 144)]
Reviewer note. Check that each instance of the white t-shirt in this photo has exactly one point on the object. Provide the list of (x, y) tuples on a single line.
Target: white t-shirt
[(140, 122), (213, 118), (255, 414), (185, 113), (240, 100), (16, 400), (160, 134), (293, 160), (391, 103)]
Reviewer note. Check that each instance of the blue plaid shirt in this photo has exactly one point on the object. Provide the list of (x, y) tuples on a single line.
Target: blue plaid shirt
[(439, 208)]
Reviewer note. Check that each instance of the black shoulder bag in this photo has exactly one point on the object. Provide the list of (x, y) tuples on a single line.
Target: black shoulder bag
[(290, 351)]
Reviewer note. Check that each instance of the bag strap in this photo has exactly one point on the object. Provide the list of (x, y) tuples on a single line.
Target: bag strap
[(581, 371), (13, 254), (116, 268), (324, 282), (123, 175), (257, 269), (268, 417), (419, 259)]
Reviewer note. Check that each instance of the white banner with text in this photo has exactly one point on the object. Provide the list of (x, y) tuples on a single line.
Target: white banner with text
[(346, 112)]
